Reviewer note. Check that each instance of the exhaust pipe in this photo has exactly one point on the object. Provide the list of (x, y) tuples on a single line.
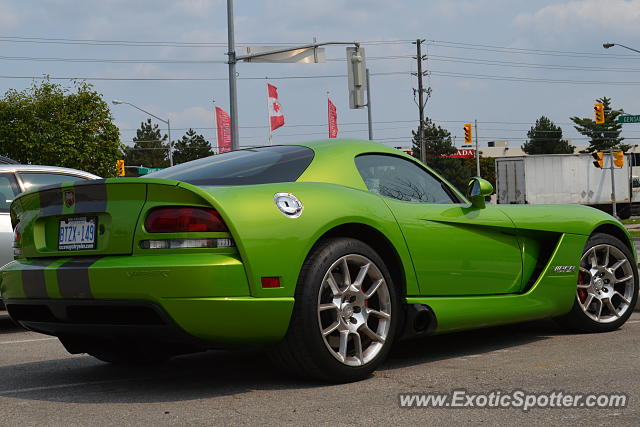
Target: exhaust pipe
[(419, 321)]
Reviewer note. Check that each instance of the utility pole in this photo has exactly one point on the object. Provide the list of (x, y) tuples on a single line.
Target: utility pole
[(613, 187), (369, 107), (477, 150), (233, 91), (421, 99)]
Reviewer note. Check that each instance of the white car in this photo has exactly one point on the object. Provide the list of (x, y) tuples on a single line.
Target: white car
[(14, 179)]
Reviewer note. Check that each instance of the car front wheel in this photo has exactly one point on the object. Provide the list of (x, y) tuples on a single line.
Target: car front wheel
[(607, 287)]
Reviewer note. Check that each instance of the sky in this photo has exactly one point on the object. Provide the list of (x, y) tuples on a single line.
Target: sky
[(503, 63)]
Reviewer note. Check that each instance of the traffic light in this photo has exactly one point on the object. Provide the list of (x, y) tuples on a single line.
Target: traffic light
[(598, 159), (618, 158), (120, 167), (598, 111), (356, 76), (468, 137)]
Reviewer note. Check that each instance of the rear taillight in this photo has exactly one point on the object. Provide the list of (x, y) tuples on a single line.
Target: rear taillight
[(179, 219), (17, 237)]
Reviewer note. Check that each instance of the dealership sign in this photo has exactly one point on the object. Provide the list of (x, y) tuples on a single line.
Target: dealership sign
[(461, 154)]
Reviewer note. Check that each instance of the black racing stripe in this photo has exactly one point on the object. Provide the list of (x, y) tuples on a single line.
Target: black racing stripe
[(91, 198), (73, 278), (51, 201), (33, 281)]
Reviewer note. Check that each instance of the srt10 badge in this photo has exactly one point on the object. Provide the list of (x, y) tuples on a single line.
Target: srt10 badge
[(564, 268)]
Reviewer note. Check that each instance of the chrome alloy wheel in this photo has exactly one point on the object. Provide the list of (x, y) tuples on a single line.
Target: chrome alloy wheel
[(354, 315), (605, 283)]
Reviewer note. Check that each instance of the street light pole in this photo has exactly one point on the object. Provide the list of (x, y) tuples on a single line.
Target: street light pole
[(233, 91), (608, 45), (167, 122)]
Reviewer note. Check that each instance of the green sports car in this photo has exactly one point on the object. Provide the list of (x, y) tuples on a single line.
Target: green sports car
[(323, 253)]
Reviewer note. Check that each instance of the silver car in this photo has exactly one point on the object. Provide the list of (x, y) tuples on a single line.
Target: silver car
[(14, 179)]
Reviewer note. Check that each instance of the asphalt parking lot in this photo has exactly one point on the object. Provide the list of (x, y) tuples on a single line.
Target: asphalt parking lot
[(40, 384)]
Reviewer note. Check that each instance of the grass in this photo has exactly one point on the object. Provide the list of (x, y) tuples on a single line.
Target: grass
[(631, 221), (635, 233)]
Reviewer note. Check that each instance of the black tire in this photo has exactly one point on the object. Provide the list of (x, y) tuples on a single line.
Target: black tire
[(304, 352), (577, 320), (624, 211)]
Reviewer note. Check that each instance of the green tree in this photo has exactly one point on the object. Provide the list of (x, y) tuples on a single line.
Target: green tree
[(191, 147), (59, 126), (438, 142), (149, 147), (546, 138), (605, 136)]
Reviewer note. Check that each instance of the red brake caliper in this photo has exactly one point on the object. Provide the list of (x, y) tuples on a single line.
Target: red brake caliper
[(582, 292)]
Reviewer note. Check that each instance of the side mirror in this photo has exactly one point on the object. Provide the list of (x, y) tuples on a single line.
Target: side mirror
[(479, 189)]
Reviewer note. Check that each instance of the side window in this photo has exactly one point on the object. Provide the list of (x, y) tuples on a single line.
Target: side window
[(36, 179), (8, 190), (400, 179)]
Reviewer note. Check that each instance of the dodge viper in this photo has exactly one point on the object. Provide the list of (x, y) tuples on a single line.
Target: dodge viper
[(322, 253)]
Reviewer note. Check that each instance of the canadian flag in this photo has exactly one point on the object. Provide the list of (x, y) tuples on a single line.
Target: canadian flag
[(276, 116)]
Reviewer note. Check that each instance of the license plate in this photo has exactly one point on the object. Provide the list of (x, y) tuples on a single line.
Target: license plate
[(77, 234)]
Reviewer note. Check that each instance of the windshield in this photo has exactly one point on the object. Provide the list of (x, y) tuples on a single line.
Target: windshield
[(280, 163)]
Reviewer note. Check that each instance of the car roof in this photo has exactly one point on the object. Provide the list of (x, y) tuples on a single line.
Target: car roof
[(42, 168)]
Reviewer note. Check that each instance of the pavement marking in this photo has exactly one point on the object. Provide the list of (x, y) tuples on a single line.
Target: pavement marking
[(58, 386), (633, 321), (33, 340)]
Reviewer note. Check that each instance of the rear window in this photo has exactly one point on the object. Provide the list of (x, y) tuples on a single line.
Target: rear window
[(281, 163)]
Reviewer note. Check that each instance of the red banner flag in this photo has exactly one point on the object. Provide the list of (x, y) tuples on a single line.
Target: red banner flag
[(333, 119), (223, 123), (276, 117)]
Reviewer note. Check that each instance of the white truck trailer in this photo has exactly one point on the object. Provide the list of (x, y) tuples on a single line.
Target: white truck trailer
[(565, 178)]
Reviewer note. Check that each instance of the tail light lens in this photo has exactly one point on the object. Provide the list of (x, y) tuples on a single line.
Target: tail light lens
[(17, 237), (184, 220)]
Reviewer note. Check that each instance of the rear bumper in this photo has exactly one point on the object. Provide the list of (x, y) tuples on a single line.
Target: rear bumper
[(200, 323), (197, 298)]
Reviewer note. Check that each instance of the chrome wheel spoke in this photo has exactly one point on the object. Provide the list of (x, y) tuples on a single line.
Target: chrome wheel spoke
[(329, 306), (344, 341), (624, 279), (599, 313), (331, 328), (357, 343), (345, 272), (588, 302), (624, 300), (611, 308), (594, 258), (379, 314), (606, 257), (584, 286), (368, 332), (373, 289), (357, 284), (335, 290), (618, 264)]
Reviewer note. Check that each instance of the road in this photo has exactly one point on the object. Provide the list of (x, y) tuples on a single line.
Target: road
[(43, 385)]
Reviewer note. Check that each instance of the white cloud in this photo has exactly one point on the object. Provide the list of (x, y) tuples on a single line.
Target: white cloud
[(191, 116), (611, 16), (8, 18), (195, 7)]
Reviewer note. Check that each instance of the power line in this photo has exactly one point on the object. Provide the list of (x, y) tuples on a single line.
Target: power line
[(138, 43), (515, 50)]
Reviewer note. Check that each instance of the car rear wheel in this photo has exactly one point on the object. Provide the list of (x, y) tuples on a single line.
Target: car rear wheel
[(607, 287), (345, 314)]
